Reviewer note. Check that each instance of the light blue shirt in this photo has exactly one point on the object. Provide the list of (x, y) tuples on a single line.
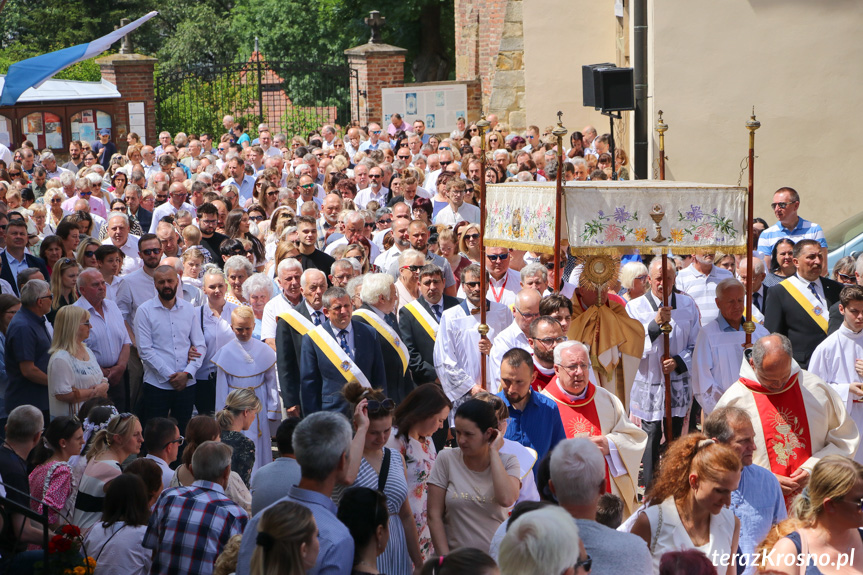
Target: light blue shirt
[(336, 556), (758, 504)]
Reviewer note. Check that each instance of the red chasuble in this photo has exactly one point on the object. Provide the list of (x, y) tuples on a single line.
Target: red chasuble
[(580, 418), (784, 423), (540, 380)]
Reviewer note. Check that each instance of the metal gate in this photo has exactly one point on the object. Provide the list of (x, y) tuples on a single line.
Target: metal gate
[(289, 96)]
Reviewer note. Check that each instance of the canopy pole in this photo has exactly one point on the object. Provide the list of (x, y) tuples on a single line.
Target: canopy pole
[(748, 324), (483, 328), (666, 328), (559, 132)]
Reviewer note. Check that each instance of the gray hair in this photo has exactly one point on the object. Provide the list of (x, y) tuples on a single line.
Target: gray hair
[(355, 283), (32, 291), (566, 345), (24, 422), (577, 470), (257, 283), (345, 263), (334, 293), (67, 179), (762, 347), (578, 162), (410, 253), (94, 179), (630, 271), (182, 214), (82, 277), (210, 460), (289, 264), (239, 262), (304, 279), (533, 270), (353, 217), (541, 541), (718, 423), (727, 284), (46, 157), (320, 440), (118, 215), (375, 287)]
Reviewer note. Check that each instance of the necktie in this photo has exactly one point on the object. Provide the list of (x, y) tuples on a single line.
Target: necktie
[(814, 292), (756, 297), (390, 321), (316, 318), (343, 341), (437, 311)]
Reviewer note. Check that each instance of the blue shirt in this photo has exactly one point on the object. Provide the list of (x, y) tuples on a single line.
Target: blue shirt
[(726, 327), (336, 556), (538, 426), (758, 504), (27, 339), (804, 230)]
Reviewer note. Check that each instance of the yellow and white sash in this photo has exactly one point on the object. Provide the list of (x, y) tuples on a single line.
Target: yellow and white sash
[(387, 333), (297, 321), (423, 317), (815, 309), (337, 356)]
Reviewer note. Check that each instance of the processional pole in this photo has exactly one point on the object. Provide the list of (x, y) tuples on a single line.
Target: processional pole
[(559, 132), (749, 325), (666, 328), (483, 328)]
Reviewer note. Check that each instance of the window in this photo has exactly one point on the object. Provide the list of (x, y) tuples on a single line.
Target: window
[(44, 129), (6, 131)]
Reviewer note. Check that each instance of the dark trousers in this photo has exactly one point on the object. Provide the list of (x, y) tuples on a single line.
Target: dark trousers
[(654, 431), (157, 402), (205, 396), (119, 394)]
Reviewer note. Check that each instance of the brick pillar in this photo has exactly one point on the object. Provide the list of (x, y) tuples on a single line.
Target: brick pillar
[(378, 66), (133, 76)]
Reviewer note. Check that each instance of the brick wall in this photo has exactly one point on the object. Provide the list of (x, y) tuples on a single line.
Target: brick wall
[(133, 76), (478, 30), (378, 66)]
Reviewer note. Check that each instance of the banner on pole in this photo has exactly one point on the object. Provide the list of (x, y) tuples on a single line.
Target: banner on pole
[(521, 216), (655, 217)]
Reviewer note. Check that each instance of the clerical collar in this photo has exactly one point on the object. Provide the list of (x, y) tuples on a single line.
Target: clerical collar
[(570, 396), (541, 369)]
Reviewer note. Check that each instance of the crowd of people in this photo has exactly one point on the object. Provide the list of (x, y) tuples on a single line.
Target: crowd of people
[(233, 355)]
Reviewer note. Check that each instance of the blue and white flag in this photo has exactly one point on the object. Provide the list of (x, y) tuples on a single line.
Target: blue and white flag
[(33, 72)]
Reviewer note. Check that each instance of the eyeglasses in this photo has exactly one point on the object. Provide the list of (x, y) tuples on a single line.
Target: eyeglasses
[(474, 129), (471, 236), (89, 253), (493, 140), (49, 296), (572, 368), (781, 205), (547, 341), (179, 441), (152, 251), (528, 316), (239, 252), (549, 266), (643, 278), (274, 193), (495, 257), (378, 406), (586, 563), (414, 269)]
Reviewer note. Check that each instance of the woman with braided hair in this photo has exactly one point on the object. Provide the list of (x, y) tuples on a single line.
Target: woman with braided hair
[(687, 505), (286, 542)]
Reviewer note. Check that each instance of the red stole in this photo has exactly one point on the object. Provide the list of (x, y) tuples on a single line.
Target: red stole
[(784, 423), (540, 380), (580, 418)]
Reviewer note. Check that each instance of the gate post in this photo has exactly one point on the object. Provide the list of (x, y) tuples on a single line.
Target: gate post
[(377, 66), (133, 76)]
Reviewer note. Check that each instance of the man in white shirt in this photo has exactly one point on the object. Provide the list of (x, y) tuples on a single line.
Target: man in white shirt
[(266, 143), (699, 282), (504, 283), (457, 210), (525, 310), (119, 236), (163, 440), (355, 227), (289, 273), (176, 201), (376, 190), (400, 244), (49, 162), (165, 329), (445, 158), (108, 340)]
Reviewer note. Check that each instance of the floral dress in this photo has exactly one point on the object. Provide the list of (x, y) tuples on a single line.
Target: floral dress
[(419, 456)]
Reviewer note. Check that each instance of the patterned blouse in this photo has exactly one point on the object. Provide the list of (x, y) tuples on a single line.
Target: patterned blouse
[(51, 482), (419, 456), (243, 459)]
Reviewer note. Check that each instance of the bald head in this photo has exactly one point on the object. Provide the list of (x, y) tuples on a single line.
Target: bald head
[(527, 308), (771, 359)]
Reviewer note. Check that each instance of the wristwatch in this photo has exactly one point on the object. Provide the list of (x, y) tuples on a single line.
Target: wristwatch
[(188, 375)]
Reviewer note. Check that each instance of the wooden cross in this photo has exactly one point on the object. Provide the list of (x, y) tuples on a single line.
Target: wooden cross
[(375, 22)]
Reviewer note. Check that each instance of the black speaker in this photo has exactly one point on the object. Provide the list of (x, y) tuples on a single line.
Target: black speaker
[(614, 89), (588, 84)]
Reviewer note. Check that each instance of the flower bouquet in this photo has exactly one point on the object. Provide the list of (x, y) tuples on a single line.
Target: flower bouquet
[(64, 554)]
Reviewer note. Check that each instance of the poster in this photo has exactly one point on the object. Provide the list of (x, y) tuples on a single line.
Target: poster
[(87, 117), (75, 131), (33, 125), (87, 133), (54, 140), (103, 120), (438, 105), (34, 138)]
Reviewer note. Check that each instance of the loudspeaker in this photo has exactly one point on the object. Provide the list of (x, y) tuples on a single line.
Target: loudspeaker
[(614, 89), (588, 85)]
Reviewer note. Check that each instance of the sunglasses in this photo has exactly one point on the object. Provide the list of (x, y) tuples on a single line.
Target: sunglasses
[(85, 194), (586, 563), (781, 205), (378, 406), (470, 284), (274, 193), (57, 201), (389, 221), (370, 224), (308, 186), (443, 148), (14, 174), (152, 251), (239, 252), (179, 441), (256, 218), (404, 157), (375, 132), (494, 258), (471, 236), (413, 269), (49, 296), (493, 140), (445, 164), (89, 253), (375, 176)]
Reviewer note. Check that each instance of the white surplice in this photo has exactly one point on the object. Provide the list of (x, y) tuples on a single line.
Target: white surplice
[(716, 360), (252, 365), (833, 361), (506, 340)]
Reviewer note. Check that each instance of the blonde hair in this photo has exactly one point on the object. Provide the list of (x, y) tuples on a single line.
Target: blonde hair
[(236, 403), (61, 266), (242, 312), (122, 425), (226, 563), (193, 253), (282, 530), (833, 477), (66, 324), (192, 235)]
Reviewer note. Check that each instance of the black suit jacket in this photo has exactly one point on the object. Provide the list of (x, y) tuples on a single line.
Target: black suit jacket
[(784, 315), (289, 343), (419, 343), (32, 262), (763, 299), (399, 382), (145, 218)]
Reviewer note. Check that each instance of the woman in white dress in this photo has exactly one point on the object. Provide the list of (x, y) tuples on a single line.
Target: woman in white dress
[(74, 374), (687, 506)]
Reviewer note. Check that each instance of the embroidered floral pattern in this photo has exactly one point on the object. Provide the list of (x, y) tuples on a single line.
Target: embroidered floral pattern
[(526, 217)]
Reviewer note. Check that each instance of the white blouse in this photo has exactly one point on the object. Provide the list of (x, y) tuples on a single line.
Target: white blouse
[(65, 373)]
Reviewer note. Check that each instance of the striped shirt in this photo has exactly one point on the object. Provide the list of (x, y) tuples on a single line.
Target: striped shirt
[(702, 288), (804, 230)]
